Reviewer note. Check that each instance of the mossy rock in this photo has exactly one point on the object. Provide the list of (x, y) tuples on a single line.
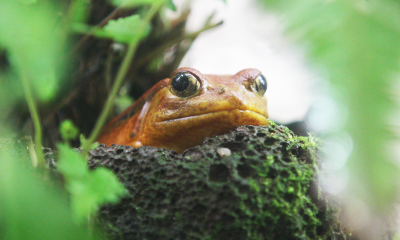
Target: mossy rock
[(252, 183)]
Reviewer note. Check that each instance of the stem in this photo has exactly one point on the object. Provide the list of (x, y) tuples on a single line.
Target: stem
[(35, 118), (161, 48), (90, 33), (126, 62)]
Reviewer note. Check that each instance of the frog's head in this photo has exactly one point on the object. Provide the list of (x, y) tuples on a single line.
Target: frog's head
[(189, 106)]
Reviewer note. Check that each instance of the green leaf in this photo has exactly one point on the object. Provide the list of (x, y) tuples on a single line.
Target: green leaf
[(134, 3), (171, 5), (68, 130), (89, 189), (28, 1), (31, 207), (35, 44), (124, 30), (10, 93), (71, 163), (84, 141), (357, 43), (122, 102), (79, 11)]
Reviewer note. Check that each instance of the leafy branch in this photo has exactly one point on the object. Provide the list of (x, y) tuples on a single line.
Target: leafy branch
[(126, 62)]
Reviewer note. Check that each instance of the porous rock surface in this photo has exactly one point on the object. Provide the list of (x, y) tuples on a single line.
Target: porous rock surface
[(252, 183)]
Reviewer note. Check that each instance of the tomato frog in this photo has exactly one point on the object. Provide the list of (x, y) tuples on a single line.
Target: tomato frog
[(181, 111)]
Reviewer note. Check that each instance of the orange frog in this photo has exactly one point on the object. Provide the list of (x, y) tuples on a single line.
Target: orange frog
[(179, 112)]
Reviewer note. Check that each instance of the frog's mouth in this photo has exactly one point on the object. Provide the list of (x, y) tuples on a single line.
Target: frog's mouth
[(235, 117), (182, 132)]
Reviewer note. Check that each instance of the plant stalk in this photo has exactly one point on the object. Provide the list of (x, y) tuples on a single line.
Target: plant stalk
[(35, 118), (126, 62)]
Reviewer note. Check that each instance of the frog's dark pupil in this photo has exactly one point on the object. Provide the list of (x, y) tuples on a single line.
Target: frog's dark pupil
[(180, 82), (262, 84)]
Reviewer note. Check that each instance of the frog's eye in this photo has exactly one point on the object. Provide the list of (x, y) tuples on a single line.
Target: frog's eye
[(259, 85), (184, 84)]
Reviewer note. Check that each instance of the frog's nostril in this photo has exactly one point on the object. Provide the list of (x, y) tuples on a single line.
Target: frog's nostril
[(221, 90)]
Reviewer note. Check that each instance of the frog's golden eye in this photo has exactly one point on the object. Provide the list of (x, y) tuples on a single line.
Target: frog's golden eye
[(259, 85), (184, 84)]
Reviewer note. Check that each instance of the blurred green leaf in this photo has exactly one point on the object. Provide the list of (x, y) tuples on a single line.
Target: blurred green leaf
[(68, 130), (124, 29), (122, 102), (9, 83), (358, 44), (28, 1), (133, 3), (89, 189), (30, 207), (84, 141), (78, 11), (35, 44), (171, 5)]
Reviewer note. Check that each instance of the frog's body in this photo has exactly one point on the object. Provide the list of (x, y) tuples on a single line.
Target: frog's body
[(168, 116)]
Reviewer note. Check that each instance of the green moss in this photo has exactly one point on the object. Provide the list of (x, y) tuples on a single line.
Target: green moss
[(265, 189)]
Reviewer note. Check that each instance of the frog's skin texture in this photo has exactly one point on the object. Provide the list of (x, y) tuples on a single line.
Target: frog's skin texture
[(160, 118)]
